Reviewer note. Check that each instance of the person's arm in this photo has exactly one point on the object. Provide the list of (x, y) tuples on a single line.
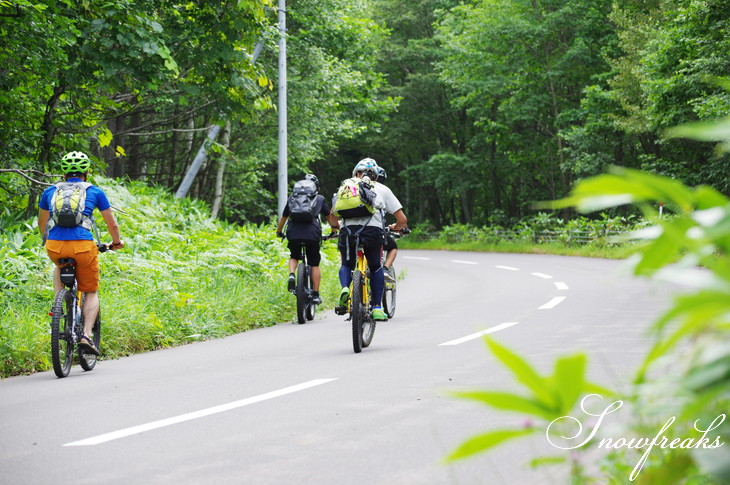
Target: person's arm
[(401, 221), (43, 216), (333, 221), (113, 228), (280, 226)]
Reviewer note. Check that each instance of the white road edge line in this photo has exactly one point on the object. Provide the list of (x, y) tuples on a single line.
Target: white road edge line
[(123, 433), (473, 336), (463, 262), (552, 303), (560, 285), (509, 268), (542, 275)]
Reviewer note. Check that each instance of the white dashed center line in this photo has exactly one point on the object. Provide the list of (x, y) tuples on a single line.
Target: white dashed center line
[(552, 303), (123, 433), (508, 268), (560, 285), (542, 275), (473, 336), (458, 261)]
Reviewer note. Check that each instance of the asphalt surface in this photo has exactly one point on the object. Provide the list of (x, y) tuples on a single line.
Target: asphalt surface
[(293, 403)]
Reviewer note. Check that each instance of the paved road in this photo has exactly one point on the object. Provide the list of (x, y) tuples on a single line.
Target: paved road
[(293, 403)]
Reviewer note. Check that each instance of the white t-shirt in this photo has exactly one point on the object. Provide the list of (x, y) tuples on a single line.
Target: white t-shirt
[(385, 200)]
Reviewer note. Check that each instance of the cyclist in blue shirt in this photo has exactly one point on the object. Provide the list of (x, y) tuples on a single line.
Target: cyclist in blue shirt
[(78, 242)]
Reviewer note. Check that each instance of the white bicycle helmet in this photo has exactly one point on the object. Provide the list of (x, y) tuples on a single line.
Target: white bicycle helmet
[(366, 166)]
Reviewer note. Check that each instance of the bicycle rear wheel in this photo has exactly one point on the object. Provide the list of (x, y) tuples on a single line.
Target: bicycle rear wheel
[(311, 307), (62, 332), (88, 360), (389, 294), (301, 293)]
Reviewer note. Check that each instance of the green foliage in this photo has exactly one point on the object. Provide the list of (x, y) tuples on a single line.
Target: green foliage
[(182, 277), (548, 397)]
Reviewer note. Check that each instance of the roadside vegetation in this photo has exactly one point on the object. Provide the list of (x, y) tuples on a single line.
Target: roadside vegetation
[(543, 233), (183, 277)]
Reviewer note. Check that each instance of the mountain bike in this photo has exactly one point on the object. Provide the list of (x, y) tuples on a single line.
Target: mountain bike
[(304, 287), (391, 282), (67, 322), (363, 323)]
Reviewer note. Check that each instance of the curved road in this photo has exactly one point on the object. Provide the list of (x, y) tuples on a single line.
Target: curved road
[(293, 403)]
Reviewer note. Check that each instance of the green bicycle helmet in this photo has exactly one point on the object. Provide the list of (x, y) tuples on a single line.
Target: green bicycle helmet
[(75, 162)]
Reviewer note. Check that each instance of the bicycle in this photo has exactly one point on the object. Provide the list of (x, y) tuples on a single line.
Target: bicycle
[(67, 322), (363, 323), (304, 287), (391, 282)]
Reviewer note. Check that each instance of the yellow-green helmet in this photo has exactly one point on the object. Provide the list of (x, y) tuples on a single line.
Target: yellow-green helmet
[(75, 162)]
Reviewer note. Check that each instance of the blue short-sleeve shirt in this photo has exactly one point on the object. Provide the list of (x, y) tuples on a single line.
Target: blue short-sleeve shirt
[(95, 199)]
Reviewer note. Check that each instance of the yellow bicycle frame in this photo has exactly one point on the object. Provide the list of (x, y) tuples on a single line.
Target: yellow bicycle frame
[(362, 266)]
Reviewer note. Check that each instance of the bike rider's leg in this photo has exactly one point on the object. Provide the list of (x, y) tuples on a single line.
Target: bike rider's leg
[(313, 259), (390, 257), (293, 246), (87, 276), (377, 278), (316, 278), (57, 285), (346, 245), (91, 310)]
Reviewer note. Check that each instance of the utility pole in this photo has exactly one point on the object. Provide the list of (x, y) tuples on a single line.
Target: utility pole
[(282, 174)]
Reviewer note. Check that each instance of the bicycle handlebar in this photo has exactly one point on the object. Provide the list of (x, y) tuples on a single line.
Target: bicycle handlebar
[(105, 247)]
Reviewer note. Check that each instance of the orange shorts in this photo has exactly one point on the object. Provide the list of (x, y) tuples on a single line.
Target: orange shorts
[(87, 262)]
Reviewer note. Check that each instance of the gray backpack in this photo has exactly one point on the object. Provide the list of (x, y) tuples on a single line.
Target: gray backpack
[(303, 202), (67, 206)]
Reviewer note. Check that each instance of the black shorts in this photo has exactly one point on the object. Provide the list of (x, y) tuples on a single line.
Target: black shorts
[(312, 250), (372, 239), (390, 243)]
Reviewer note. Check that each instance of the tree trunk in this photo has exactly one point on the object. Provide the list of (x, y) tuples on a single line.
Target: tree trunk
[(197, 163), (225, 141)]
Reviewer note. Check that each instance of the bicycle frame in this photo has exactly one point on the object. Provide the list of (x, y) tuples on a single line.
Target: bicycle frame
[(362, 266), (78, 295)]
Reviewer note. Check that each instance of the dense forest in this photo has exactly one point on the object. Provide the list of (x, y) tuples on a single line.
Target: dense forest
[(476, 108)]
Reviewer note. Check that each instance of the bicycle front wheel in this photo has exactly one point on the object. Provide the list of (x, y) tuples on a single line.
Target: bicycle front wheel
[(301, 293), (88, 360), (62, 332), (389, 293), (357, 311)]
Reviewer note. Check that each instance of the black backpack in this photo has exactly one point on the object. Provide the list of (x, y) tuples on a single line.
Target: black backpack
[(303, 202)]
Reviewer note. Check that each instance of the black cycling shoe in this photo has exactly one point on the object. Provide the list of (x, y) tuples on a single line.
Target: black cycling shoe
[(316, 299), (291, 283)]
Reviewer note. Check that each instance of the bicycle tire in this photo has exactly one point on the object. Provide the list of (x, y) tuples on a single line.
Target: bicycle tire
[(368, 327), (311, 307), (389, 295), (61, 333), (88, 360), (301, 293), (357, 312)]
